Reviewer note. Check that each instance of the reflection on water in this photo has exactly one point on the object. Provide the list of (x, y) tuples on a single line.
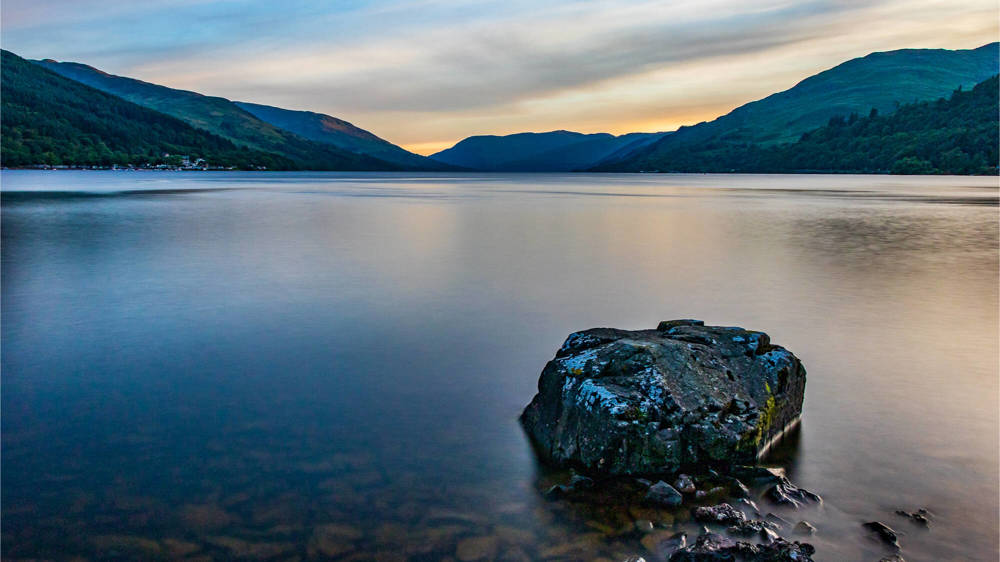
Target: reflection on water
[(215, 365)]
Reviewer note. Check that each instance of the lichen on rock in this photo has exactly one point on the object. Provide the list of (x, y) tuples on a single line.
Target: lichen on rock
[(654, 401)]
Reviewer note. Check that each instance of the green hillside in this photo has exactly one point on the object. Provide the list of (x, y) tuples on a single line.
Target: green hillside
[(221, 117), (327, 129), (49, 119), (880, 80), (958, 136)]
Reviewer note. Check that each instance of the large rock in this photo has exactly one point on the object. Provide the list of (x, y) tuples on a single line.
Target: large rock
[(654, 401)]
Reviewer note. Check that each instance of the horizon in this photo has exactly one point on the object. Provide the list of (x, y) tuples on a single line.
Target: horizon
[(607, 71)]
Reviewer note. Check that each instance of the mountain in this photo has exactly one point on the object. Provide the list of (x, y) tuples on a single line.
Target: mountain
[(221, 117), (49, 119), (555, 151), (337, 132), (881, 81), (957, 136)]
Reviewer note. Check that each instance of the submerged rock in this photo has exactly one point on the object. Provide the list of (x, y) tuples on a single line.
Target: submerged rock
[(920, 517), (653, 401), (476, 548), (664, 543), (777, 520), (577, 483)]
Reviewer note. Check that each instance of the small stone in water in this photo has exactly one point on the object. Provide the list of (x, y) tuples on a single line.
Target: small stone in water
[(786, 493), (556, 492), (722, 513), (663, 543), (748, 506), (738, 489), (804, 528), (685, 484), (883, 532), (768, 535), (664, 494), (713, 547), (759, 475)]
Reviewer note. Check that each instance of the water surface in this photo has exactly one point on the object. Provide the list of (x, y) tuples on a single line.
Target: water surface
[(257, 365)]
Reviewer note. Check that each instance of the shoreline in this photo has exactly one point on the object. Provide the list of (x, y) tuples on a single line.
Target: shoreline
[(583, 173)]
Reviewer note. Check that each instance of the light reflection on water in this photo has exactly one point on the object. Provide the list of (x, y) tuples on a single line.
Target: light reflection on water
[(280, 365)]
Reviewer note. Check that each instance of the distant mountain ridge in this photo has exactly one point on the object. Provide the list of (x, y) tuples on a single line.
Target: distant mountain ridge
[(553, 151), (330, 130), (881, 80), (52, 120), (229, 120)]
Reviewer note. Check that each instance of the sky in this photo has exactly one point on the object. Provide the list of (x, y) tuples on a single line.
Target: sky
[(426, 73)]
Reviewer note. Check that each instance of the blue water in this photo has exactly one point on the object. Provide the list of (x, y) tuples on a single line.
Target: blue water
[(223, 365)]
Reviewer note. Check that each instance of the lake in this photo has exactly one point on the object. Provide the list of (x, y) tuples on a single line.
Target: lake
[(296, 365)]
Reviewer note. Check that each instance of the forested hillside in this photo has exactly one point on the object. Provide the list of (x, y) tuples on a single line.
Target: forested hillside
[(958, 135), (52, 120), (221, 117), (883, 81)]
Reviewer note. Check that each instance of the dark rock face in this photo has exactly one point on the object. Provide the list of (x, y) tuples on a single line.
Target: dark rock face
[(653, 401)]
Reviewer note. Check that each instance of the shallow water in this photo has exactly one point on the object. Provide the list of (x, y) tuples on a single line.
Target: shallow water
[(254, 365)]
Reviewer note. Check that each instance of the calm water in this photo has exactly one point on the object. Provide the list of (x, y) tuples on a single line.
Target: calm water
[(291, 365)]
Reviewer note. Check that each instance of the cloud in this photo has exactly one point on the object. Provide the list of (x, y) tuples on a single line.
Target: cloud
[(459, 67)]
